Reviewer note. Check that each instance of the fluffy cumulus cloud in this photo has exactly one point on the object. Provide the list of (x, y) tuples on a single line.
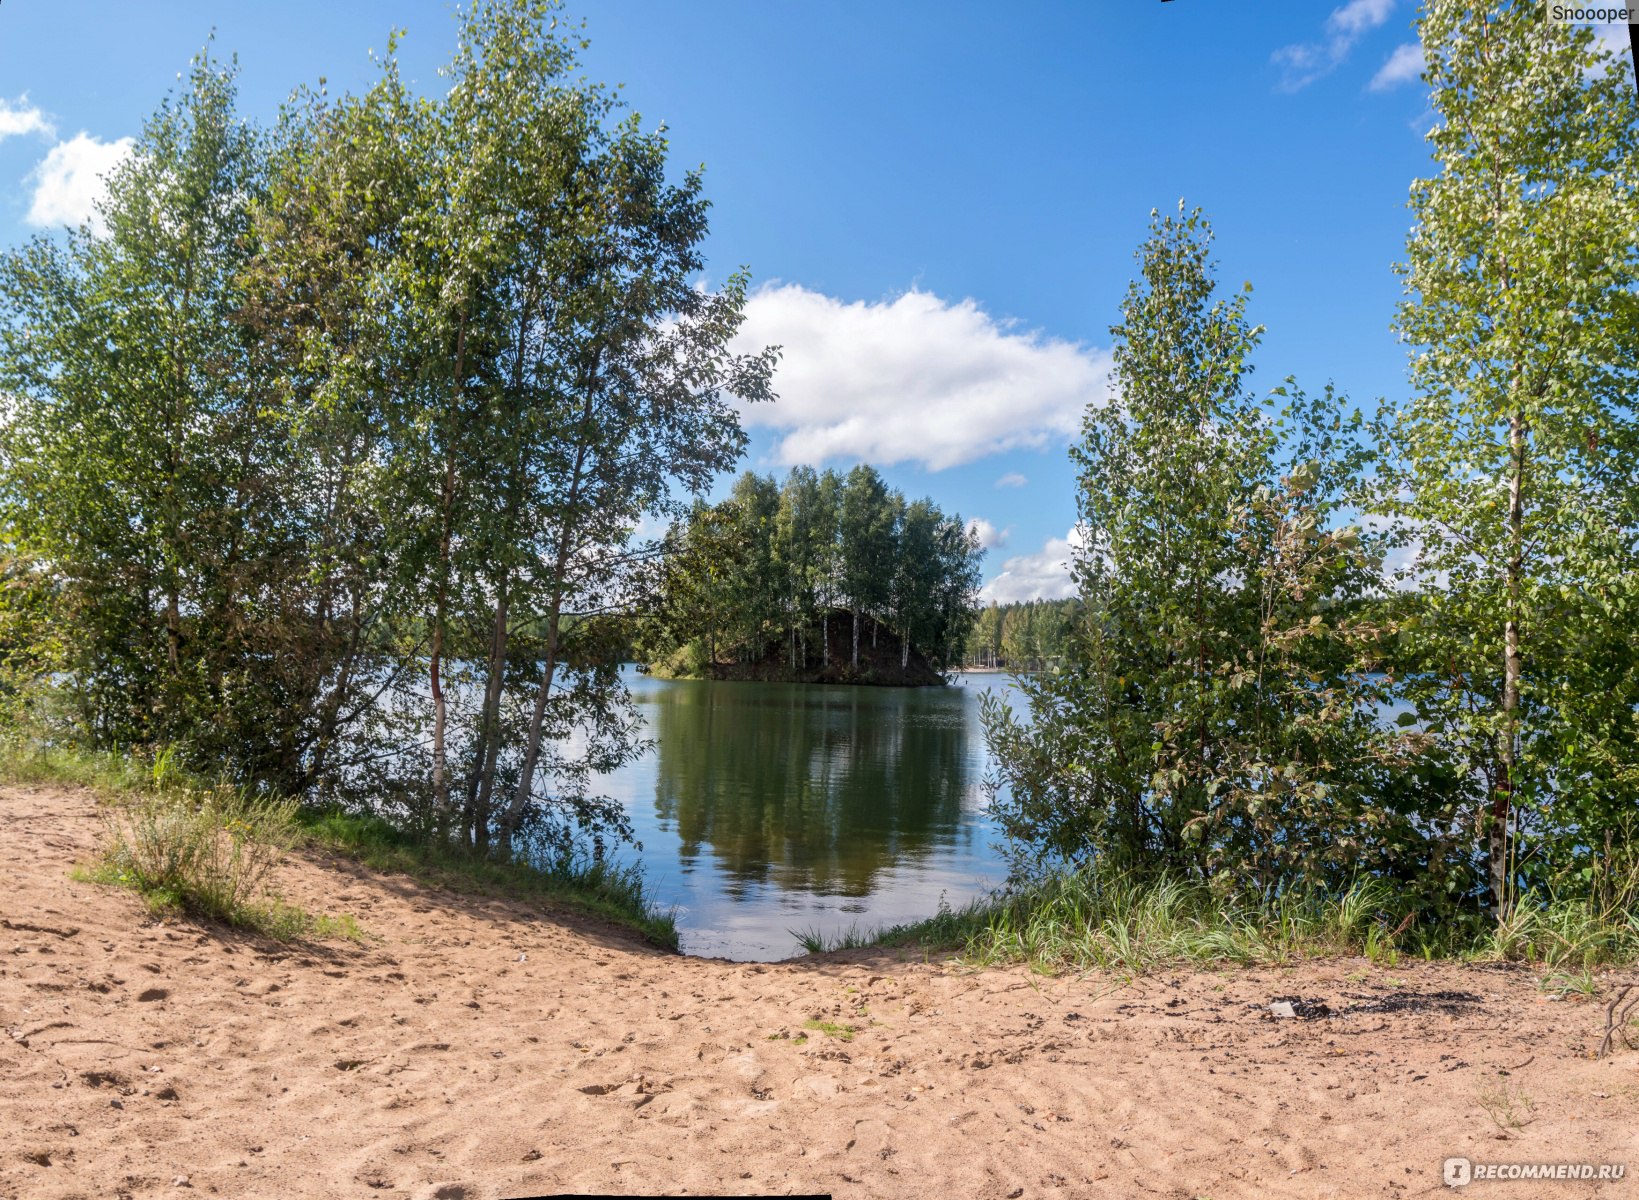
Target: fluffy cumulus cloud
[(912, 379), (71, 178), (19, 117), (1405, 65), (1012, 479), (1044, 575), (989, 536), (1304, 62)]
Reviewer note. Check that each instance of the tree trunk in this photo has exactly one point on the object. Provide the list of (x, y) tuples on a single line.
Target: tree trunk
[(173, 630), (856, 639), (482, 785), (441, 790), (512, 819), (1508, 737), (441, 783)]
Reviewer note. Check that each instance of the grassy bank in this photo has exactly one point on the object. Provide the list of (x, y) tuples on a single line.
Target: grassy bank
[(1078, 921), (187, 845), (614, 893)]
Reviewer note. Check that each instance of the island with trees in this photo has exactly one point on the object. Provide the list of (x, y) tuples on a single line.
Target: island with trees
[(824, 578)]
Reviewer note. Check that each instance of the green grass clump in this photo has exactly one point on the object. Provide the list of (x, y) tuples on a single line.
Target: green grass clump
[(947, 929), (209, 852), (32, 763), (188, 846), (597, 887), (1081, 920), (834, 1029), (1572, 935)]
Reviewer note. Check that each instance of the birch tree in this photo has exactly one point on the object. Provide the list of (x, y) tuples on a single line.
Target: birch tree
[(1514, 461)]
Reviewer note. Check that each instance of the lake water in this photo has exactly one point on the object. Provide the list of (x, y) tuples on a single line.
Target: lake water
[(768, 808)]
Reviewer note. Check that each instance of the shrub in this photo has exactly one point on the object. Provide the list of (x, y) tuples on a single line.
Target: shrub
[(208, 850)]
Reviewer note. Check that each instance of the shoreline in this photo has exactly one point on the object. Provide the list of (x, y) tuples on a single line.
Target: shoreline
[(483, 1048)]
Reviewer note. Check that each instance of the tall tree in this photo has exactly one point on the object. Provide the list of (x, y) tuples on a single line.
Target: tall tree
[(866, 546), (328, 231), (1514, 461), (137, 463), (637, 358), (798, 555), (1214, 715)]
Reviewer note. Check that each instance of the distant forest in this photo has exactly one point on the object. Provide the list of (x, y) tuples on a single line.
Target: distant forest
[(1023, 636), (824, 577)]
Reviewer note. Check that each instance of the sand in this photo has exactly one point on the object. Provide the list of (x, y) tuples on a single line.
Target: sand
[(487, 1049)]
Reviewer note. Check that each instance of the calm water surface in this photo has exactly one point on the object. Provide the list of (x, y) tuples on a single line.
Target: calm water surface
[(768, 808)]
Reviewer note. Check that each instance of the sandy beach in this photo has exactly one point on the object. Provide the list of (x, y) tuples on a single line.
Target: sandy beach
[(482, 1049)]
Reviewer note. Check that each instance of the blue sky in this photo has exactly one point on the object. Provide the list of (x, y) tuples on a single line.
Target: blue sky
[(938, 201)]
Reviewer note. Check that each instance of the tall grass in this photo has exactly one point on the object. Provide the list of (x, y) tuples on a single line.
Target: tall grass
[(614, 892), (33, 763), (1084, 920), (186, 844), (1574, 934), (1080, 920), (210, 852)]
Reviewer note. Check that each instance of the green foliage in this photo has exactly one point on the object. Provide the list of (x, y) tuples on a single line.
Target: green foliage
[(1215, 715), (1028, 635), (573, 879), (1219, 712), (130, 459), (323, 459), (210, 852), (1089, 919), (761, 573), (1511, 467)]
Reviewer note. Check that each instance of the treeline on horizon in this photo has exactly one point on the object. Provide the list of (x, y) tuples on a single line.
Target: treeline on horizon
[(1021, 635), (322, 455), (1266, 580), (764, 575)]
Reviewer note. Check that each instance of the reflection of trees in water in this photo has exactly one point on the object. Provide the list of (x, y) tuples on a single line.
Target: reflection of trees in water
[(811, 788)]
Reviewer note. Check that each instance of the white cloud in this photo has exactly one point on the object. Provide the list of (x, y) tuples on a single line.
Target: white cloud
[(989, 536), (912, 379), (1012, 479), (1044, 575), (70, 180), (1403, 66), (1358, 17), (18, 117), (1304, 62)]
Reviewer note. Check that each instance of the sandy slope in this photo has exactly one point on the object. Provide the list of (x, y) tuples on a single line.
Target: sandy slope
[(481, 1050)]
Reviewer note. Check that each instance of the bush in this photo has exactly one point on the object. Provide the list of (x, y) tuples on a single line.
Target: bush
[(548, 869), (210, 851)]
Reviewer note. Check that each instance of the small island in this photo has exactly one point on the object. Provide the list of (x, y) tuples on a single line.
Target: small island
[(824, 578)]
